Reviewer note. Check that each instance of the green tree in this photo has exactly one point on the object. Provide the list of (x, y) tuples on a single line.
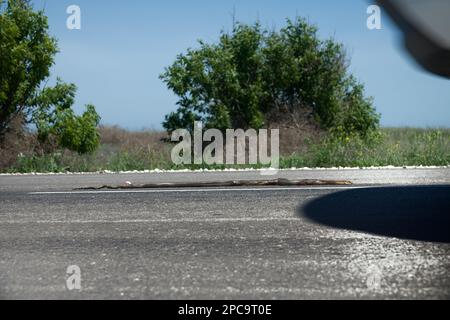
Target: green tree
[(27, 53), (253, 76)]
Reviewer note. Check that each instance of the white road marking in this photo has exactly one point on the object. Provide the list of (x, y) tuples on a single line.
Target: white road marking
[(191, 190)]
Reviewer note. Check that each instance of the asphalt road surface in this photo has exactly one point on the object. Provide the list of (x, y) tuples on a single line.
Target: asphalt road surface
[(387, 236)]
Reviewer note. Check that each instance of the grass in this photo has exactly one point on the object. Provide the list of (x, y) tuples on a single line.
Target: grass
[(395, 147), (123, 150)]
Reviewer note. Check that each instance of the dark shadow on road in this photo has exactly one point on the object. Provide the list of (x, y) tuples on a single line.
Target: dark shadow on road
[(416, 213)]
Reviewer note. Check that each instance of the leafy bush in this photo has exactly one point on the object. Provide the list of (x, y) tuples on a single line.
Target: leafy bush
[(78, 134), (253, 76)]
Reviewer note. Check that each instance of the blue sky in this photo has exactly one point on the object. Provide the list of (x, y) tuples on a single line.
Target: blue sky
[(123, 46)]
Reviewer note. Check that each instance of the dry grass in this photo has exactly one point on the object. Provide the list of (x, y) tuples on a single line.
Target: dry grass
[(130, 140)]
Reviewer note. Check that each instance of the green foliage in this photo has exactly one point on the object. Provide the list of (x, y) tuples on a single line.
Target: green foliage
[(252, 73), (27, 53), (54, 117), (390, 147), (44, 163), (78, 133), (50, 104)]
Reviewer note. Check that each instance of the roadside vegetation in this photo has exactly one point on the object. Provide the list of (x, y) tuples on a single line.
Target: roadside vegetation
[(122, 150), (251, 77)]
